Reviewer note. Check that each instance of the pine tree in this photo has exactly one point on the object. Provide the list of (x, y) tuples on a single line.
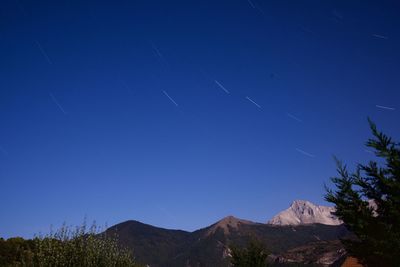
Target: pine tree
[(368, 202)]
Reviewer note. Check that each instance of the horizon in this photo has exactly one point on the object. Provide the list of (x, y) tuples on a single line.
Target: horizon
[(179, 114)]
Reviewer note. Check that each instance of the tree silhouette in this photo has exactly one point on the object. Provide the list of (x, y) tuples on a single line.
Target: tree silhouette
[(368, 202)]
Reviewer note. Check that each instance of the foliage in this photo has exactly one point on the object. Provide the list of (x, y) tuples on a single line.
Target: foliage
[(66, 247), (16, 251), (368, 202), (254, 255)]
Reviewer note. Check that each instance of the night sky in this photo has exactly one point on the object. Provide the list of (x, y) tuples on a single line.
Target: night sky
[(178, 113)]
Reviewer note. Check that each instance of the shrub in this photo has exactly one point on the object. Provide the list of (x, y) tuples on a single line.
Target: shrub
[(254, 255), (67, 247)]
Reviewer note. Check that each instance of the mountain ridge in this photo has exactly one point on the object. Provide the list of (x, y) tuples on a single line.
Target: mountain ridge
[(311, 243)]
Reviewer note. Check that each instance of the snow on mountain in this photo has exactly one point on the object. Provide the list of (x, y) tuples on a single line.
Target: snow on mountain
[(305, 212)]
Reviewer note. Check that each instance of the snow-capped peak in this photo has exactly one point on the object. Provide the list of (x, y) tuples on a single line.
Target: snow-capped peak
[(305, 212)]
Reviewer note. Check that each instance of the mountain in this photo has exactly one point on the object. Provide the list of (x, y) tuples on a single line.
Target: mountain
[(151, 245), (301, 244), (304, 212)]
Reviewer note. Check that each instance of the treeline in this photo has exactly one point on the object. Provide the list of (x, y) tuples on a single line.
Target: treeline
[(66, 247)]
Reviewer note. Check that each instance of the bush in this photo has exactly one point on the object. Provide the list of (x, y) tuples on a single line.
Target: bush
[(254, 255), (67, 247)]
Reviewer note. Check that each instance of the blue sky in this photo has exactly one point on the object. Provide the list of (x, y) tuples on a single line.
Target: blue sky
[(178, 114)]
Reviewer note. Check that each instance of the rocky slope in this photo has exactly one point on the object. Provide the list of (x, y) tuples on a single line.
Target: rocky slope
[(304, 212)]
